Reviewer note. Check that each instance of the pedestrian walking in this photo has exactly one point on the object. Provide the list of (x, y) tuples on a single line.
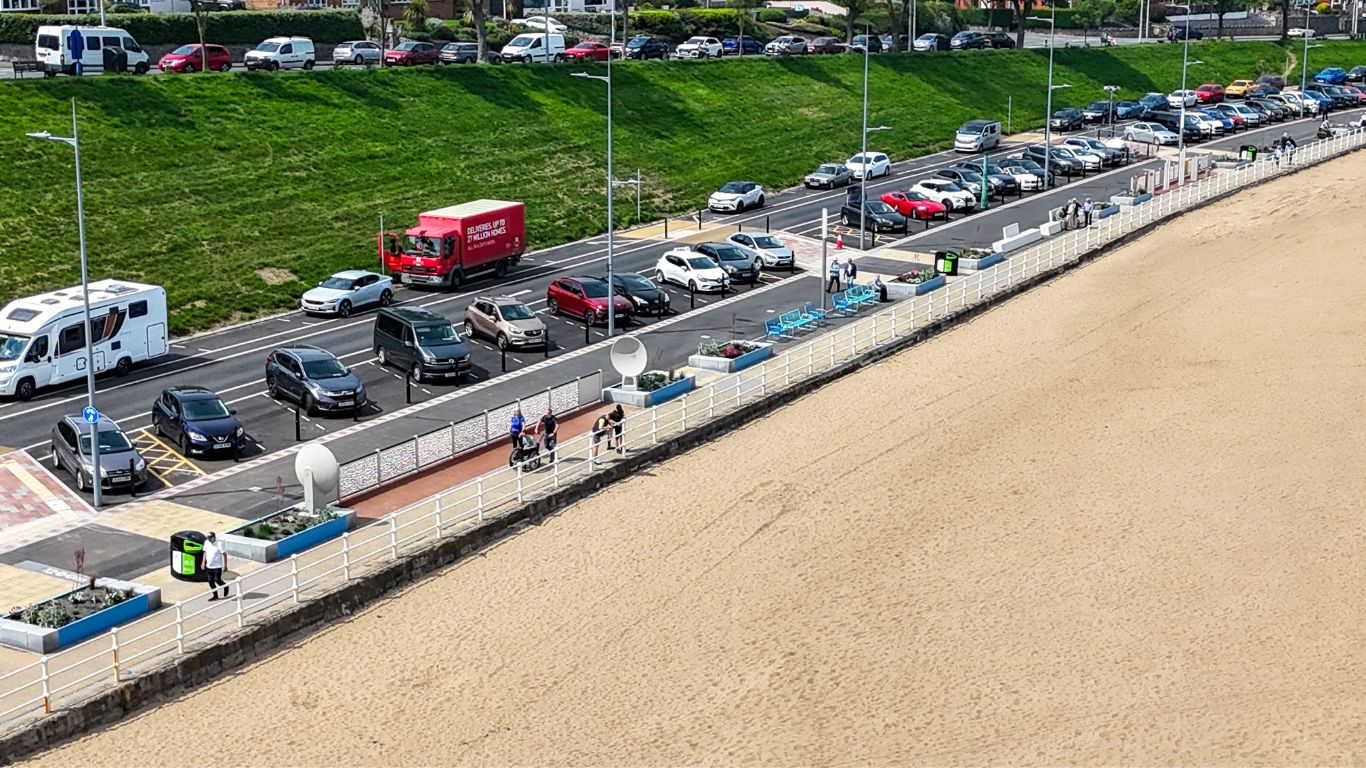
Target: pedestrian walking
[(617, 416), (833, 286), (215, 560), (850, 273), (1087, 208), (548, 430)]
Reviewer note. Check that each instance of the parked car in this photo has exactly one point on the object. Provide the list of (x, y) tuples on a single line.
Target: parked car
[(643, 47), (1302, 105), (1055, 161), (347, 290), (977, 136), (1275, 81), (1227, 110), (412, 53), (828, 176), (1066, 119), (1002, 182), (970, 180), (281, 53), (191, 58), (699, 48), (932, 41), (586, 298), (1000, 40), (1358, 90), (691, 270), (358, 52), (915, 205), (1262, 89), (421, 342), (826, 44), (465, 53), (949, 194), (786, 45), (1226, 124), (1152, 101), (1300, 32), (752, 46), (71, 450), (646, 297), (771, 251), (530, 47), (1238, 88), (195, 420), (1250, 116), (868, 43), (1177, 98), (874, 164), (1209, 126), (1030, 175), (1273, 111), (872, 215), (1357, 74), (1128, 110), (967, 39), (1177, 34), (1098, 112), (1322, 102), (1108, 155), (314, 378), (739, 265), (1088, 158), (1293, 108), (505, 320), (736, 196), (1209, 93), (539, 24), (588, 50)]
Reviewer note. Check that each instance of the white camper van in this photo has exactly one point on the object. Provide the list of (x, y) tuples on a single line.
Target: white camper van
[(61, 48), (42, 338)]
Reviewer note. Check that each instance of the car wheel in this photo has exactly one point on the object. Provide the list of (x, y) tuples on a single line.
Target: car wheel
[(359, 61), (274, 66), (24, 389), (81, 484), (382, 355), (502, 341), (469, 329), (417, 373), (344, 309), (123, 367), (189, 68), (559, 58), (307, 404), (227, 67), (760, 204), (308, 64), (659, 276), (553, 306), (386, 298), (184, 446), (140, 69), (56, 460), (692, 286), (948, 204)]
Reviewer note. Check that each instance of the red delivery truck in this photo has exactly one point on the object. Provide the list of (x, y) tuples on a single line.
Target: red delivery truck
[(450, 245)]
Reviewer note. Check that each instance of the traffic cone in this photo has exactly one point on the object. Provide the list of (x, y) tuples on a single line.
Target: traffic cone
[(839, 241)]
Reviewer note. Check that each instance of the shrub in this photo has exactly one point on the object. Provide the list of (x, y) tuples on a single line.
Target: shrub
[(230, 28), (772, 16)]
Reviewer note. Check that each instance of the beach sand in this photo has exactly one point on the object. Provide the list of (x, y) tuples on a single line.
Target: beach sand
[(1114, 521)]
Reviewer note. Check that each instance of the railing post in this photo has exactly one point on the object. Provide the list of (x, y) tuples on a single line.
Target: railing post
[(294, 576), (393, 536), (346, 556), (555, 473), (179, 631), (763, 380), (519, 482), (438, 515), (711, 401), (237, 592), (654, 426), (479, 497), (114, 646), (810, 363), (47, 694)]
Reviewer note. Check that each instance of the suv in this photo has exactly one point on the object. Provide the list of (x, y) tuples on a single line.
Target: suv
[(738, 264), (931, 41), (314, 378), (1052, 161), (875, 216), (587, 298), (195, 420), (786, 45), (826, 45), (966, 39), (866, 43), (1000, 40), (420, 342), (645, 47), (699, 48), (507, 321), (281, 53), (1067, 119), (116, 453), (459, 53)]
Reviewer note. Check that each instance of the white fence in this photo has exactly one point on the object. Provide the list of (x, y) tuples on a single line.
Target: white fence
[(71, 675)]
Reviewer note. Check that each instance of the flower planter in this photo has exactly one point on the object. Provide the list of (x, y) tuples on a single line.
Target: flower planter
[(641, 399), (39, 639), (732, 364), (238, 544), (1232, 164), (1107, 211), (982, 262), (1131, 199), (900, 290)]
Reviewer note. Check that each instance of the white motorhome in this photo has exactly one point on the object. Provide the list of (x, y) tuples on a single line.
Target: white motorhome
[(61, 48), (42, 338)]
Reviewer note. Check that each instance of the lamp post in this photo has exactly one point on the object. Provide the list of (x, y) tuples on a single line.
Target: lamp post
[(75, 143), (863, 180), (1052, 20), (611, 182), (1181, 132), (1110, 118)]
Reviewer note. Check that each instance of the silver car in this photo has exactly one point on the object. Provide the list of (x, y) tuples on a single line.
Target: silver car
[(786, 45), (828, 176), (507, 321), (358, 52), (121, 466)]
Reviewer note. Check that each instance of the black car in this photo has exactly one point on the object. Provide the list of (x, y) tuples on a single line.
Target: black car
[(969, 179), (195, 420), (1357, 74), (314, 378), (931, 41), (1098, 112), (644, 294), (872, 44), (647, 47), (1002, 183), (739, 266), (1177, 34), (1270, 109), (1000, 40), (967, 39), (1054, 162), (1067, 119), (876, 216)]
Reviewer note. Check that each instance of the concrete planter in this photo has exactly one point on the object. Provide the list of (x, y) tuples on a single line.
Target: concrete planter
[(1107, 211), (641, 399), (978, 264), (1232, 164), (237, 544), (898, 290), (28, 637), (1131, 199), (729, 364)]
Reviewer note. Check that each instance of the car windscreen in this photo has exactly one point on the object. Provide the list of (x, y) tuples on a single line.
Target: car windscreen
[(594, 289), (730, 253), (915, 196), (636, 283), (948, 186), (734, 187), (406, 46), (830, 169), (338, 283), (516, 312), (767, 241), (184, 50), (205, 409), (877, 206), (324, 368), (268, 47), (522, 41), (637, 42), (701, 262), (11, 346), (110, 442), (436, 334), (697, 41)]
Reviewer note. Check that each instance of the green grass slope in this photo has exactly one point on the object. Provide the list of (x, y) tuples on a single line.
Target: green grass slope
[(236, 191)]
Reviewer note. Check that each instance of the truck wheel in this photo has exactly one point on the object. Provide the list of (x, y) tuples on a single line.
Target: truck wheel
[(417, 373), (500, 270), (382, 355), (24, 389), (123, 367), (456, 278), (140, 69)]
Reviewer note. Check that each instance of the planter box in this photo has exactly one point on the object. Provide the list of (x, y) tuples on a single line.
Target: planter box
[(29, 637), (1131, 199), (238, 544), (897, 290), (731, 365), (1232, 164), (641, 399), (1107, 211), (989, 260)]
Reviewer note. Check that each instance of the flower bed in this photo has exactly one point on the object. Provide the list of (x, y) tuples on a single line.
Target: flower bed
[(284, 533), (915, 283), (65, 620), (652, 388), (729, 356)]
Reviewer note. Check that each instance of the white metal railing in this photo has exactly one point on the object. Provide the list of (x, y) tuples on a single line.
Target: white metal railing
[(70, 675)]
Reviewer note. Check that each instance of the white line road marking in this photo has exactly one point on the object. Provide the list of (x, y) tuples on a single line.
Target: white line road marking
[(522, 292)]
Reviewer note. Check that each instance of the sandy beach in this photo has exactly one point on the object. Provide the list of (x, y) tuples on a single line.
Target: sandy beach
[(1114, 521)]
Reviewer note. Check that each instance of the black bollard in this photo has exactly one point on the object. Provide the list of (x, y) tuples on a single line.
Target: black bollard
[(236, 449), (587, 328), (547, 342), (503, 355), (666, 228), (692, 296), (766, 229), (408, 389), (699, 218), (133, 478), (298, 426)]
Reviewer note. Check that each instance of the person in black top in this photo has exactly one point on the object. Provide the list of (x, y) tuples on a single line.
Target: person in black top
[(617, 416), (547, 430)]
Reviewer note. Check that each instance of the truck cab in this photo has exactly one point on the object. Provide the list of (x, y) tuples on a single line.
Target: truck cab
[(450, 245)]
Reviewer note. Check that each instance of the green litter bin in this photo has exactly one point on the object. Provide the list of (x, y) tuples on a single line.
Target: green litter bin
[(187, 556), (946, 262), (1247, 152)]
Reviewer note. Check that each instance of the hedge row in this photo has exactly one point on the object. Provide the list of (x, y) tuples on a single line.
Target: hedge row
[(227, 28)]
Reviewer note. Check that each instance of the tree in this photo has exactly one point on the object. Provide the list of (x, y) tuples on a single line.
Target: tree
[(1092, 13), (899, 15), (479, 14), (201, 23), (1223, 7), (1021, 8), (415, 15), (852, 10), (1285, 20)]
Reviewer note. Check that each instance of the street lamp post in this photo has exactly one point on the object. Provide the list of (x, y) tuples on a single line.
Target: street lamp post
[(75, 143), (1052, 20), (1110, 118), (611, 223), (1304, 58), (863, 179), (1181, 131)]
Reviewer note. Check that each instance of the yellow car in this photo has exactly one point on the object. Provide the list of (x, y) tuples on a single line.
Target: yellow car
[(1238, 89)]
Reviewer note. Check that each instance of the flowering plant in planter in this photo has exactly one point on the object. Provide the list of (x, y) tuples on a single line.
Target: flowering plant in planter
[(917, 276), (60, 611), (727, 349), (287, 523), (649, 382)]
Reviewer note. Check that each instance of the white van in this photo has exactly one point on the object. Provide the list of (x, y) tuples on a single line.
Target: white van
[(95, 49), (281, 53), (977, 136), (42, 338), (531, 46)]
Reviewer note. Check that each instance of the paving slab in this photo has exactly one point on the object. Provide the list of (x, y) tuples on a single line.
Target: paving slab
[(159, 518), (21, 587)]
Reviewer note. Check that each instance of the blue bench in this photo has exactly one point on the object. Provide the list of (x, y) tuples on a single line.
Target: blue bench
[(774, 329), (843, 305), (815, 315), (793, 320)]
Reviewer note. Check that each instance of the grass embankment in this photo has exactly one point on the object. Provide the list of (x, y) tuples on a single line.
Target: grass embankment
[(236, 191)]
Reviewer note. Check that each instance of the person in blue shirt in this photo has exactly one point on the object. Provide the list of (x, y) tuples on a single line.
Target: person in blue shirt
[(833, 285), (516, 424)]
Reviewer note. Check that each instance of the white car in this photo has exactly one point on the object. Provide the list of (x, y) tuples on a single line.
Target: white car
[(875, 163), (1026, 178), (947, 193), (1150, 133), (1089, 161), (768, 249), (537, 23), (736, 196), (1177, 97), (1208, 124), (699, 48), (691, 270), (1300, 103), (281, 53), (1300, 32), (344, 291)]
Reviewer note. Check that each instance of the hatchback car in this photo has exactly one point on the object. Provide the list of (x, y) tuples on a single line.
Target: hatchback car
[(747, 46), (587, 298), (1238, 88), (1331, 75), (459, 53), (314, 378), (507, 321), (770, 251), (1128, 110), (873, 164), (1275, 81), (1108, 155), (970, 180), (914, 205), (588, 50), (1178, 97), (967, 39), (866, 44), (826, 44), (931, 41), (1056, 162), (691, 270), (828, 176), (1000, 40), (1002, 183), (1210, 93), (358, 52), (739, 265), (646, 297), (196, 420), (1067, 119), (1022, 167), (787, 45), (646, 47), (191, 58), (344, 291), (412, 53), (1357, 74), (736, 196), (948, 193), (873, 215), (121, 466)]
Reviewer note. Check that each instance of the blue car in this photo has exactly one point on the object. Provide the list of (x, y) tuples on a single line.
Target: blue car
[(1324, 101), (753, 47), (1331, 76), (195, 420), (1220, 117), (1128, 110)]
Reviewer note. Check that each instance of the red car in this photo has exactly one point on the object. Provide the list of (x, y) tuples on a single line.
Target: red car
[(589, 51), (412, 53), (1210, 93), (1356, 90), (586, 298), (914, 205), (188, 58)]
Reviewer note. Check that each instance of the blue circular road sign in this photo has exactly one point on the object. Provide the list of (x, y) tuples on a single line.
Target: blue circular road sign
[(90, 414)]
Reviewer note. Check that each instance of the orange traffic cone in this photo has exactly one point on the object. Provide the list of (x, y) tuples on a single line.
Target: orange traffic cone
[(839, 241)]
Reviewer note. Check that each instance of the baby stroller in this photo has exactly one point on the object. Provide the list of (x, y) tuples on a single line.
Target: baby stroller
[(525, 451)]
